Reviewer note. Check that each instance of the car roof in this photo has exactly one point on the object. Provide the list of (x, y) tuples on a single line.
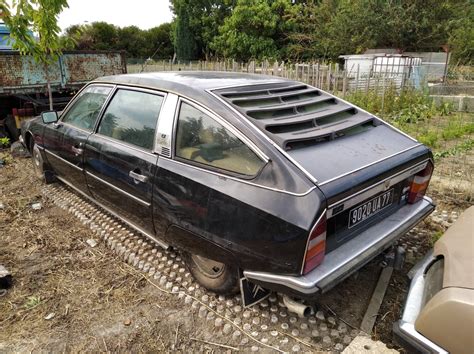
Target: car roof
[(190, 81)]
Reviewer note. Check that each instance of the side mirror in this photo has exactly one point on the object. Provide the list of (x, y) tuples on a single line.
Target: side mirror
[(49, 117)]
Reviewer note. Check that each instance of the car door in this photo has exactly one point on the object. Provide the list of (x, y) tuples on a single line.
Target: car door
[(65, 140), (119, 160)]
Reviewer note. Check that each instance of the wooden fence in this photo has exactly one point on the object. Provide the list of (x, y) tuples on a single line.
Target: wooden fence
[(327, 76)]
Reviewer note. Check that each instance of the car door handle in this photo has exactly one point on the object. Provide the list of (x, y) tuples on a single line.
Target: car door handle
[(138, 177), (77, 150)]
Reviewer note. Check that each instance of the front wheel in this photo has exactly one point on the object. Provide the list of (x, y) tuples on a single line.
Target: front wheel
[(215, 276), (38, 163)]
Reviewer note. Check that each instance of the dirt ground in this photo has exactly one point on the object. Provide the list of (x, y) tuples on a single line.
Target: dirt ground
[(67, 296)]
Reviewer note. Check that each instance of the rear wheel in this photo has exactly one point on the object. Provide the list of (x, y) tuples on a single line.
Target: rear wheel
[(215, 276)]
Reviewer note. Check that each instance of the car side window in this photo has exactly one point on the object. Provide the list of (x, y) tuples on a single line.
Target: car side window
[(131, 117), (84, 112), (201, 139)]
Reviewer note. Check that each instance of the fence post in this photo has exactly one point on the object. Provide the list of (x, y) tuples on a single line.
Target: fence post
[(317, 76), (329, 77), (383, 94), (344, 83), (357, 78)]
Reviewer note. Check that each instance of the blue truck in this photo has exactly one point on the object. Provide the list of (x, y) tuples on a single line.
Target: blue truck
[(24, 82)]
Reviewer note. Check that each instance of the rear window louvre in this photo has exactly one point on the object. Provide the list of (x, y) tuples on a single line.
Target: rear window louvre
[(295, 115)]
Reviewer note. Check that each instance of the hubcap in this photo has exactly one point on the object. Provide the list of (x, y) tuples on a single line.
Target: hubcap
[(36, 158), (209, 267)]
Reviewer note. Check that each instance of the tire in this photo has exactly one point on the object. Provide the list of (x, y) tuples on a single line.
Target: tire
[(215, 276), (38, 163)]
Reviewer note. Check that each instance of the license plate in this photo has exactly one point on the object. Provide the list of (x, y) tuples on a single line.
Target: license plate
[(370, 208)]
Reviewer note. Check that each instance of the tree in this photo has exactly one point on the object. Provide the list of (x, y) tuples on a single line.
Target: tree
[(158, 39), (199, 20), (185, 42), (420, 24), (461, 34), (132, 40), (25, 17), (254, 30)]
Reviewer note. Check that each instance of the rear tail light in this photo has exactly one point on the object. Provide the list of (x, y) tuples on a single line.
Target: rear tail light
[(316, 247), (420, 183)]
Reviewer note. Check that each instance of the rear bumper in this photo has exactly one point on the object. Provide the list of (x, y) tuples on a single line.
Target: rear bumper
[(404, 329), (349, 257)]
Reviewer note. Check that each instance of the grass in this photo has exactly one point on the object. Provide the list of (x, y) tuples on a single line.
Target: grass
[(32, 301), (446, 132)]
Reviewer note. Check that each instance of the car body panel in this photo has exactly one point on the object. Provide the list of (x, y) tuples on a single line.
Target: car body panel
[(448, 320), (457, 248), (354, 151), (253, 222), (108, 165), (441, 320), (351, 256)]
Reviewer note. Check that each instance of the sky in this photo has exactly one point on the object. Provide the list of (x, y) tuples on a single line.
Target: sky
[(143, 14)]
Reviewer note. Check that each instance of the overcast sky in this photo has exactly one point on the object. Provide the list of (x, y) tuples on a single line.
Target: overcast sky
[(141, 13)]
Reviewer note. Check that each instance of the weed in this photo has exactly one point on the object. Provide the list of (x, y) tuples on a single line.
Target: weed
[(436, 236), (4, 142), (458, 149), (456, 129), (430, 139), (32, 302)]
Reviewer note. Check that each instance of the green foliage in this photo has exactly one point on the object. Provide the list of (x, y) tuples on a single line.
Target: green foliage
[(416, 114), (278, 29), (456, 150), (4, 142), (408, 106), (197, 23), (456, 129), (253, 30), (186, 46), (25, 17), (461, 38), (136, 42)]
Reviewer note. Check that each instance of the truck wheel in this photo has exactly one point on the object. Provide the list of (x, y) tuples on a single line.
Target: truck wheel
[(215, 276), (38, 163)]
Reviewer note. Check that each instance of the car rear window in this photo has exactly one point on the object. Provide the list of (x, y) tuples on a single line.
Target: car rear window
[(201, 139)]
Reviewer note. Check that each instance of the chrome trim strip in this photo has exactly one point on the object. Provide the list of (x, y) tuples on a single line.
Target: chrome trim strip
[(370, 164), (375, 188), (257, 149), (118, 189), (405, 327), (64, 160), (309, 235), (262, 134), (239, 180), (353, 254), (129, 223)]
